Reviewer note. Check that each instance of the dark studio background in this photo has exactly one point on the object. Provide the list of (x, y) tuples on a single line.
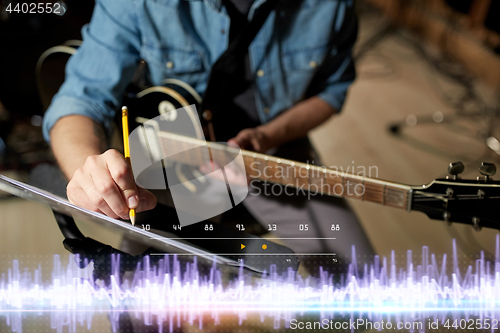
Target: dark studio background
[(23, 38)]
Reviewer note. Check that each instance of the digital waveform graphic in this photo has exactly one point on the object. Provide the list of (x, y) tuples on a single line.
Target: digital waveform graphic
[(172, 292)]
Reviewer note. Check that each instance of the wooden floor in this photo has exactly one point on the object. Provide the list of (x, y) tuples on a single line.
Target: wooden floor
[(393, 82)]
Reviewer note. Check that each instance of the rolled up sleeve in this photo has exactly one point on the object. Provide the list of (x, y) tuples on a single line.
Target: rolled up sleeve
[(337, 71), (98, 73)]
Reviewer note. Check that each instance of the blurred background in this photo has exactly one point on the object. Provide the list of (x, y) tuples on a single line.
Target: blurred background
[(427, 94)]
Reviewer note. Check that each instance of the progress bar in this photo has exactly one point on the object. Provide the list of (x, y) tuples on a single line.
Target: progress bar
[(248, 254), (207, 238)]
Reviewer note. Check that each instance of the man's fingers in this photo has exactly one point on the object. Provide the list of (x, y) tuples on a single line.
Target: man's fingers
[(106, 188), (80, 197), (147, 201), (121, 174), (105, 184), (243, 139), (233, 144), (256, 144), (93, 196)]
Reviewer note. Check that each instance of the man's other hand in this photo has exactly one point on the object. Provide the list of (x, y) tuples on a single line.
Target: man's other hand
[(105, 184), (254, 139)]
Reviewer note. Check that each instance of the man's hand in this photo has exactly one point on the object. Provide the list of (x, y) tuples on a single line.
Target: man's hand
[(105, 184), (290, 125), (254, 139)]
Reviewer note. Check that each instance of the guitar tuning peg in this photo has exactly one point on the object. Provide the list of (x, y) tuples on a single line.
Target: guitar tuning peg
[(487, 169), (455, 169)]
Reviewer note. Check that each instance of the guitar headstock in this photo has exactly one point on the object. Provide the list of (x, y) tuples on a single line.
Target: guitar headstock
[(474, 202)]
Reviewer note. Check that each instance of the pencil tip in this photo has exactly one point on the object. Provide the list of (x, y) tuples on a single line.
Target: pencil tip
[(132, 219)]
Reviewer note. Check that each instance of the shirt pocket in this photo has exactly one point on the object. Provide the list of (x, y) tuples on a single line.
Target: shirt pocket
[(172, 60), (300, 64), (304, 58)]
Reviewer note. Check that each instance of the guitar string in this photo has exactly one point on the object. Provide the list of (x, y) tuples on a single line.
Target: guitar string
[(374, 190)]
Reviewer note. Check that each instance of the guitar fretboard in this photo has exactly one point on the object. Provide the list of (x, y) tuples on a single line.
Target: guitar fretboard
[(302, 176)]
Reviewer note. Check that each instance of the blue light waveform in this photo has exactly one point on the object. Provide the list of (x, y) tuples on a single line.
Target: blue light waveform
[(172, 292)]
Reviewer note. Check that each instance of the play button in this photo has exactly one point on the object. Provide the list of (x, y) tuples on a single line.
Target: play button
[(242, 246)]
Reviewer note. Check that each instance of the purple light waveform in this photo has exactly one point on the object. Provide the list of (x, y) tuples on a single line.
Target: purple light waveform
[(167, 294)]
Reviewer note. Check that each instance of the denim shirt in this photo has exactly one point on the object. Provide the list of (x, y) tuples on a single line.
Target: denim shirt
[(302, 50)]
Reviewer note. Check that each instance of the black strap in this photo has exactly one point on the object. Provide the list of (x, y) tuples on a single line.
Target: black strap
[(220, 81), (343, 41)]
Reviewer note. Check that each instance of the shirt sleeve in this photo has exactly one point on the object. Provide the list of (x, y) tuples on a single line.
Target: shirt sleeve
[(337, 70), (98, 73)]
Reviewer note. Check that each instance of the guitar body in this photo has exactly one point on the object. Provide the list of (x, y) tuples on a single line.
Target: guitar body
[(152, 102), (143, 105), (177, 109)]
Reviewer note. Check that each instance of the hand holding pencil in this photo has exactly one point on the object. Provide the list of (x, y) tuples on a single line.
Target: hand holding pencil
[(126, 152), (104, 182)]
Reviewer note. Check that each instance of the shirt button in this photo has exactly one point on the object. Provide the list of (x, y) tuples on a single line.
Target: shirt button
[(222, 31), (266, 110), (170, 64), (260, 73), (313, 64)]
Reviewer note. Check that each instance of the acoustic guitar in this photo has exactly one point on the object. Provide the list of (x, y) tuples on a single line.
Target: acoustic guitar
[(475, 202)]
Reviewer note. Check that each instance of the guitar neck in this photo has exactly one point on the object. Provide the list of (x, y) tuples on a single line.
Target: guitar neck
[(318, 179), (300, 176)]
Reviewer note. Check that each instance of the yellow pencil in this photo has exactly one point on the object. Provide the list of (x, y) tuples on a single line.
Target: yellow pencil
[(126, 148)]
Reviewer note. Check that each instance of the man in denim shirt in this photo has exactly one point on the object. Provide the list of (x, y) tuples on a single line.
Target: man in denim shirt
[(298, 67)]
